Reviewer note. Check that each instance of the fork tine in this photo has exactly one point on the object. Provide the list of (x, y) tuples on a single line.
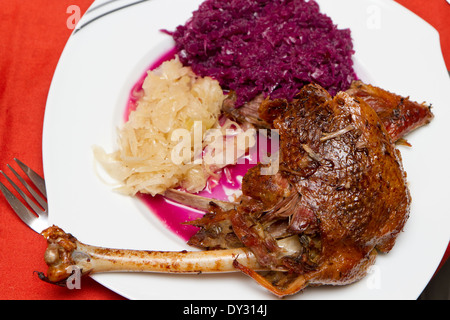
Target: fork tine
[(36, 196), (38, 181), (21, 210)]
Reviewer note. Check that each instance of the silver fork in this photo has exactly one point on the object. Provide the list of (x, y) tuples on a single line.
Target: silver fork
[(36, 214)]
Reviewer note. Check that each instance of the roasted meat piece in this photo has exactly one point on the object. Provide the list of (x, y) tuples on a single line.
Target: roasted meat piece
[(340, 195), (399, 114)]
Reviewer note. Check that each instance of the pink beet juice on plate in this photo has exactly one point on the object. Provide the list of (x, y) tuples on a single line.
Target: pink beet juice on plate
[(226, 188)]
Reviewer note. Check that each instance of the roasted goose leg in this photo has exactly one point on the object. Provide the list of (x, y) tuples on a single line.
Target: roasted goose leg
[(341, 190)]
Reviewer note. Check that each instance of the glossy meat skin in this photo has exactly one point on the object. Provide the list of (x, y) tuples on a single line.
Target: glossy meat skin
[(354, 168), (399, 114), (341, 194), (350, 170)]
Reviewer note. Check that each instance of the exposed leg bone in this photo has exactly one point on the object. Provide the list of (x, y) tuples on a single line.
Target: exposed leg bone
[(65, 252)]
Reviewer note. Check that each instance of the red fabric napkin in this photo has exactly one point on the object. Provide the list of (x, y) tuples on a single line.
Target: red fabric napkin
[(32, 36)]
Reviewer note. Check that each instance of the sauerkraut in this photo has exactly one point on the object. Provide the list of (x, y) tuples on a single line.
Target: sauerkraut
[(174, 99)]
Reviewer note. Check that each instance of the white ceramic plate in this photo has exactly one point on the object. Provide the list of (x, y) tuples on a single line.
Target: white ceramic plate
[(394, 49)]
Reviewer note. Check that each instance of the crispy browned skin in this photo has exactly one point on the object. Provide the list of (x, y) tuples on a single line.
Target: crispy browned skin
[(398, 114), (341, 192)]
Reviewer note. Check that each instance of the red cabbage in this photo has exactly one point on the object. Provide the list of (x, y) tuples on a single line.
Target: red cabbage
[(272, 47)]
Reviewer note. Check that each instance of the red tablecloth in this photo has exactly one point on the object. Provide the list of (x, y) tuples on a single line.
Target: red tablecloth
[(32, 36)]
